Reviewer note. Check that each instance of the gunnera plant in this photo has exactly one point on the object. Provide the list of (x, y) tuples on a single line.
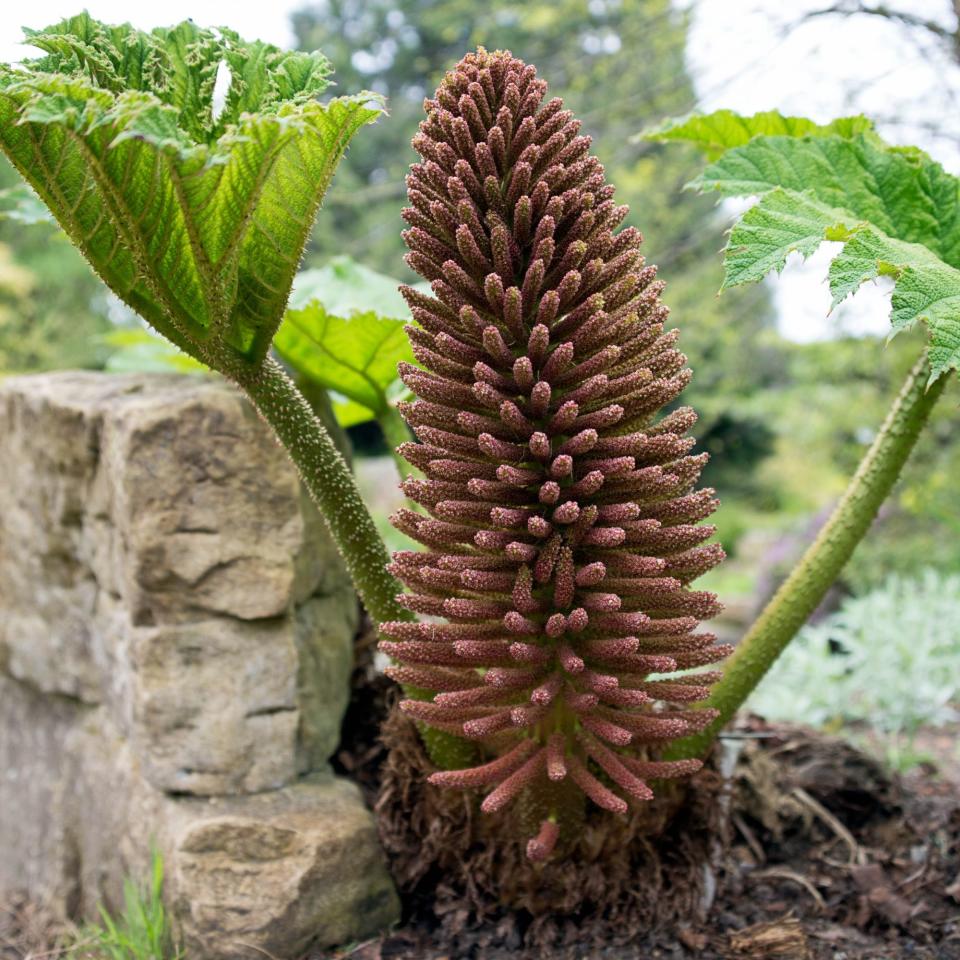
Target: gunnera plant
[(563, 523)]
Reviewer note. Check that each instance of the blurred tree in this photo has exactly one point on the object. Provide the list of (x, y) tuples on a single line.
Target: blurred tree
[(618, 64), (53, 308), (925, 32)]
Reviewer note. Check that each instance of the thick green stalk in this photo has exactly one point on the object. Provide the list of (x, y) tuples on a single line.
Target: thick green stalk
[(330, 483), (395, 432), (819, 567), (319, 401)]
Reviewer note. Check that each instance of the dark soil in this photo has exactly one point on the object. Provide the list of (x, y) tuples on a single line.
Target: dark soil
[(28, 931), (811, 851)]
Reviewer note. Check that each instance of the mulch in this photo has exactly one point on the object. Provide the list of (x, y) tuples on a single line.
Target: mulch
[(29, 931), (809, 850)]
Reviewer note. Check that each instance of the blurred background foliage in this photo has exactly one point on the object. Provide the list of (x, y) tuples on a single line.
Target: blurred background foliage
[(785, 423), (53, 310)]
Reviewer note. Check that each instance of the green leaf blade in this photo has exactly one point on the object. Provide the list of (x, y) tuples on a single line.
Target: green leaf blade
[(781, 223), (345, 287), (355, 356), (345, 333), (904, 195), (715, 133), (925, 287), (894, 210), (285, 206)]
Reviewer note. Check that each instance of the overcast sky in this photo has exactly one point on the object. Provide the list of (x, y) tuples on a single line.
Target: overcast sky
[(744, 54)]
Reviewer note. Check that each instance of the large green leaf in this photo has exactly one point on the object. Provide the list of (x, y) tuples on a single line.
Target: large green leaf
[(903, 193), (345, 332), (925, 287), (345, 287), (783, 222), (896, 212), (196, 221), (715, 133)]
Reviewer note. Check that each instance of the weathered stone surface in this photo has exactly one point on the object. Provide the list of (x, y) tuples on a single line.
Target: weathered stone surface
[(176, 642), (48, 448), (231, 706), (37, 797), (270, 872), (325, 627), (207, 507), (158, 555), (208, 697)]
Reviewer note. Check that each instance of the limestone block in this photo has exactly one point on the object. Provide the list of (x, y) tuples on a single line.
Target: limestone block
[(176, 642), (325, 628), (159, 555), (49, 439), (245, 876), (270, 874), (224, 706), (215, 705), (207, 508)]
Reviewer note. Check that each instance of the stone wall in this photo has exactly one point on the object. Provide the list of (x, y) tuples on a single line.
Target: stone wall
[(175, 647)]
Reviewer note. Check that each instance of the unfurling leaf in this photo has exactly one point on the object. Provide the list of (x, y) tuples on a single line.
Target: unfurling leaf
[(195, 220)]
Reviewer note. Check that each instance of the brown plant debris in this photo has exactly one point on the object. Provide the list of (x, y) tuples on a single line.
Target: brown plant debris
[(30, 931), (783, 876), (774, 940)]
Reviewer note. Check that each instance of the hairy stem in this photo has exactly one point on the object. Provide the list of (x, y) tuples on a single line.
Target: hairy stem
[(395, 432), (330, 483), (319, 401), (819, 567)]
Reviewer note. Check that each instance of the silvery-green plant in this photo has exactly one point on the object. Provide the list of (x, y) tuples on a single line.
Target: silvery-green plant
[(890, 658)]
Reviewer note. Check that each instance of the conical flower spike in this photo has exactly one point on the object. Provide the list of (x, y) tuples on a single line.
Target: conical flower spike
[(563, 521)]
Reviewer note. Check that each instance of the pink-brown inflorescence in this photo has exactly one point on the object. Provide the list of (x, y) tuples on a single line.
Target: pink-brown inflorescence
[(562, 520)]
